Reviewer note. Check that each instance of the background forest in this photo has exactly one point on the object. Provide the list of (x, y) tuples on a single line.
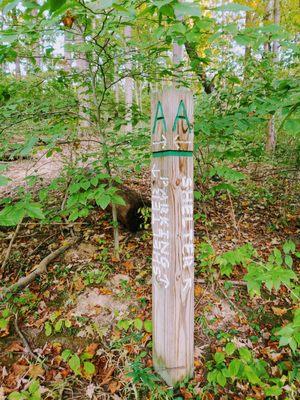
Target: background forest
[(75, 236)]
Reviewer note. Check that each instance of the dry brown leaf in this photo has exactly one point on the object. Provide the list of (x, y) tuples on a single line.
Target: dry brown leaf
[(56, 346), (15, 346), (92, 348), (79, 284), (128, 265), (114, 386), (36, 371), (279, 311), (108, 376), (198, 290)]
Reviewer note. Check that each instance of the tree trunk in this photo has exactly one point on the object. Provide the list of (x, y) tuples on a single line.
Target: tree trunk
[(271, 139), (38, 48), (272, 15), (128, 82), (67, 53), (17, 67), (191, 50), (247, 55), (277, 22), (116, 86), (82, 66)]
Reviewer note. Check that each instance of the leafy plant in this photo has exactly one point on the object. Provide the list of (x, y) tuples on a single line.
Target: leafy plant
[(56, 324), (289, 335), (79, 364), (226, 367), (137, 323), (274, 273), (32, 393), (141, 374), (4, 321)]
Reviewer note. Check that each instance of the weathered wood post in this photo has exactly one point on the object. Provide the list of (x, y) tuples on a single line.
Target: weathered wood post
[(173, 234)]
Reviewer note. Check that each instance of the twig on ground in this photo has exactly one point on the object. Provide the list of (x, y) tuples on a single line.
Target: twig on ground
[(10, 245), (24, 340), (39, 270), (234, 283), (41, 244)]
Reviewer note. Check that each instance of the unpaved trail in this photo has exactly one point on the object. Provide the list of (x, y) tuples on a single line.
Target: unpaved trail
[(43, 168)]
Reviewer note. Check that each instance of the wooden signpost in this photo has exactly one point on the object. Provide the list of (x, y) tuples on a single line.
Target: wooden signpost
[(173, 234)]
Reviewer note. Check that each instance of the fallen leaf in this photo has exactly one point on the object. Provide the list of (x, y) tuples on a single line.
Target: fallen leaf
[(35, 371), (15, 346), (128, 265), (92, 348), (198, 290), (114, 386), (279, 311), (108, 376), (79, 284)]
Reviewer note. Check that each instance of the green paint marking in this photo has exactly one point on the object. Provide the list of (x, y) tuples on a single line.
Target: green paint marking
[(181, 114), (159, 116), (168, 153)]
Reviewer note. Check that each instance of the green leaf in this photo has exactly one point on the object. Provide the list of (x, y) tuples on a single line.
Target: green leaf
[(4, 180), (48, 328), (187, 10), (219, 357), (28, 146), (66, 354), (74, 363), (5, 313), (138, 324), (54, 5), (11, 215), (221, 379), (148, 325), (89, 367), (34, 386), (234, 7), (68, 323), (288, 261), (245, 354), (103, 201), (16, 396), (230, 348), (234, 367), (251, 375), (289, 247), (273, 391), (124, 324), (118, 200), (34, 210), (3, 323), (58, 325)]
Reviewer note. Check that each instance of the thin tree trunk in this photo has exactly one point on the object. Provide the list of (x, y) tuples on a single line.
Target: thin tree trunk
[(67, 53), (82, 66), (105, 154), (276, 21), (37, 50), (116, 86), (128, 82), (17, 67), (271, 139), (273, 13), (248, 50)]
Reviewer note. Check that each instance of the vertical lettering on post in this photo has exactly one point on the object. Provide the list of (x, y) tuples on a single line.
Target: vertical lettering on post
[(173, 234)]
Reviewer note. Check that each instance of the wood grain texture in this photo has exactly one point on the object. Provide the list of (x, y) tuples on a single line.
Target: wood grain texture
[(173, 237)]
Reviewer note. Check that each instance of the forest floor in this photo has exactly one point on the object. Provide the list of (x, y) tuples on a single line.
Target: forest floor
[(99, 307)]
